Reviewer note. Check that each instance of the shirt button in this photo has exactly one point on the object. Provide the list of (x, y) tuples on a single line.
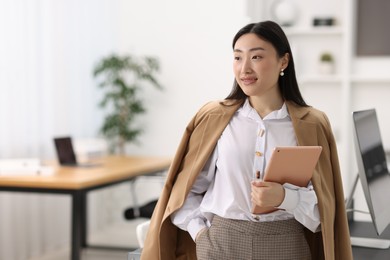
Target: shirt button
[(259, 153), (255, 217), (261, 132)]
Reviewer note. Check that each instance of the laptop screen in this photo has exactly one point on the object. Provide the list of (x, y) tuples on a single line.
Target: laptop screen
[(65, 152)]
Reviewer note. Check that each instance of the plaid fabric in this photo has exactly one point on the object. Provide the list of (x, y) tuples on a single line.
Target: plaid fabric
[(244, 240)]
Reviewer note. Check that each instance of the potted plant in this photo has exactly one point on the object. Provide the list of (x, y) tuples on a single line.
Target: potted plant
[(122, 78), (326, 63)]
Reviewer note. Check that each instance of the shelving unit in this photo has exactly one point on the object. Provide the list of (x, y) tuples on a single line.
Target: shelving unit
[(357, 82), (327, 92)]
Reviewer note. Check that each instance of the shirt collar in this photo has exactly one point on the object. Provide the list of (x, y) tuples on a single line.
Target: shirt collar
[(248, 111)]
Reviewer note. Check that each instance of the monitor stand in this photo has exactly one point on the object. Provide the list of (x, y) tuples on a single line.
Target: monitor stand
[(367, 242), (378, 243)]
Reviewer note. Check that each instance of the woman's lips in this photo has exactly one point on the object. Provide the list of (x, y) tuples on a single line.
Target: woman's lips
[(248, 81)]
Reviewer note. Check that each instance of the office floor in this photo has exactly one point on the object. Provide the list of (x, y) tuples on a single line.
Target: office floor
[(113, 235)]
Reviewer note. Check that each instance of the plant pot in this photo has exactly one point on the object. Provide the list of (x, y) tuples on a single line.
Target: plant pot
[(326, 68)]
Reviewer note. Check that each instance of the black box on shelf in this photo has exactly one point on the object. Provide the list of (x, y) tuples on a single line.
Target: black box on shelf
[(325, 21)]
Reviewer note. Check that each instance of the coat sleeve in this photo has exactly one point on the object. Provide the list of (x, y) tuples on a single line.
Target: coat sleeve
[(333, 242), (151, 250), (342, 244), (161, 240), (335, 231), (164, 240)]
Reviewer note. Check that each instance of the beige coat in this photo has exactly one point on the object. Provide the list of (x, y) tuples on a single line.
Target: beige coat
[(167, 242)]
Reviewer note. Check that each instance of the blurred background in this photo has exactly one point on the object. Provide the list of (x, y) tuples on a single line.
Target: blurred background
[(48, 51)]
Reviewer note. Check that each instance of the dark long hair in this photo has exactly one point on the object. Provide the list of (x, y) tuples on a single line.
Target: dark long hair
[(272, 33)]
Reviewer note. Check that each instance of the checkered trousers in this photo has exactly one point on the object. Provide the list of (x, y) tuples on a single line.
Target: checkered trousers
[(229, 239)]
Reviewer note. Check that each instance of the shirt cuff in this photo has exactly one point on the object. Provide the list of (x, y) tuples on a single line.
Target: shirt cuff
[(195, 226), (291, 199)]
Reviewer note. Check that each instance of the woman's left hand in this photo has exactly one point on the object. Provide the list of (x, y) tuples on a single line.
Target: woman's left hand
[(267, 194)]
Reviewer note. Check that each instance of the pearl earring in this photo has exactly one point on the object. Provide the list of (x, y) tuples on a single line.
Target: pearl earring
[(281, 73)]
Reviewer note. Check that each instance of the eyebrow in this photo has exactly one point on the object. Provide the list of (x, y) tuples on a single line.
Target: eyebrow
[(253, 49)]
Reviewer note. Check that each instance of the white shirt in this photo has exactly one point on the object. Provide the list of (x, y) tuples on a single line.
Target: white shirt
[(223, 187)]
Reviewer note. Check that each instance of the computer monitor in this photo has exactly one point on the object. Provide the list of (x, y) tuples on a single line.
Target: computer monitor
[(372, 167)]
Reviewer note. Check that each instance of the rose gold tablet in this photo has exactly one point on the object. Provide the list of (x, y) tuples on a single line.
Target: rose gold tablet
[(290, 164)]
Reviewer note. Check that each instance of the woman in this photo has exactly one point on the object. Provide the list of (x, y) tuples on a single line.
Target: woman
[(204, 211)]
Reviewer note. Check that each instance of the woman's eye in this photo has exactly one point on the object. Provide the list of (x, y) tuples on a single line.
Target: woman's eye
[(256, 57), (237, 58)]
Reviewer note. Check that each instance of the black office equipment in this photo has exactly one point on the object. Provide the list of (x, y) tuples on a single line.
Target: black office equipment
[(373, 173), (65, 153)]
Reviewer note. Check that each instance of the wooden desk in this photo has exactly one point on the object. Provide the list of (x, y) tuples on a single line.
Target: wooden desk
[(77, 181)]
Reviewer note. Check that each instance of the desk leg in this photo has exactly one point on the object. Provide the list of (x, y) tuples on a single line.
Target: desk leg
[(78, 224), (83, 210), (136, 206)]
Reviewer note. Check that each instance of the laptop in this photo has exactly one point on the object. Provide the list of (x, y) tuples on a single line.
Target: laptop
[(66, 155)]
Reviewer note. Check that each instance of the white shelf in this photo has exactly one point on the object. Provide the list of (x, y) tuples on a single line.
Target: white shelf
[(314, 31), (318, 78), (370, 79)]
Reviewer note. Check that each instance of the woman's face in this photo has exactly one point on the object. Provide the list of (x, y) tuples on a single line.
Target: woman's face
[(257, 65)]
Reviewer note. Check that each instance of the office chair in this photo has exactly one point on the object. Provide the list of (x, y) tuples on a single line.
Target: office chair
[(141, 231)]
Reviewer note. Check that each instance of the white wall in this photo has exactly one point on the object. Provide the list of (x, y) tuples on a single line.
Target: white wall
[(192, 39), (48, 52)]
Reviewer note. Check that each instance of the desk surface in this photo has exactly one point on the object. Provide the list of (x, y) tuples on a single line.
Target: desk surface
[(110, 169), (366, 229)]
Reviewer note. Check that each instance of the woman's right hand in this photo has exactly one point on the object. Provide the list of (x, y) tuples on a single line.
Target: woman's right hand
[(267, 194)]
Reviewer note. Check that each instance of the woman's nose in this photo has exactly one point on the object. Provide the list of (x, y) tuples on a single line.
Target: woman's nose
[(246, 67)]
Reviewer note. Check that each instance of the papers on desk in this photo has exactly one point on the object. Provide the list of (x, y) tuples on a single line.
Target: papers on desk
[(23, 167)]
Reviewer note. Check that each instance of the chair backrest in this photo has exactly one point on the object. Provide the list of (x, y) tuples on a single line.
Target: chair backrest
[(142, 230)]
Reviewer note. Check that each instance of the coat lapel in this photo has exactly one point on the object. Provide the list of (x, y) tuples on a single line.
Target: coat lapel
[(306, 134), (305, 131), (203, 141), (209, 134)]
